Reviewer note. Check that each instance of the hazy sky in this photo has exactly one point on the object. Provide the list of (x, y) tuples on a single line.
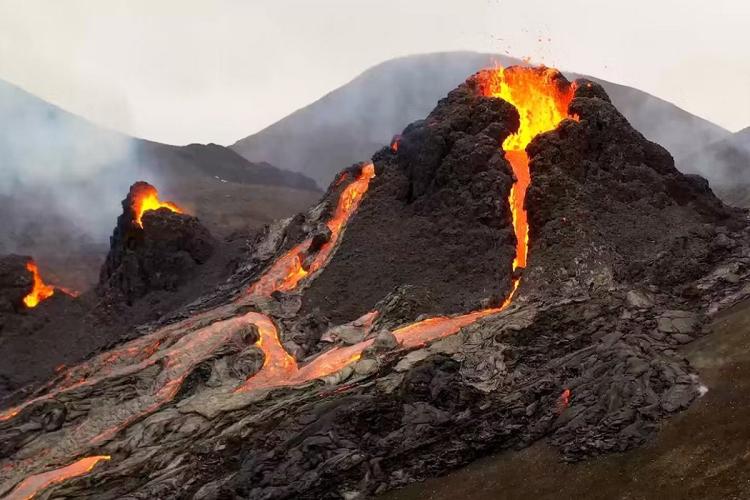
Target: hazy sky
[(215, 71)]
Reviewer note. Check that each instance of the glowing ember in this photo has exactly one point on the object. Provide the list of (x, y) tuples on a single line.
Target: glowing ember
[(41, 291), (147, 198), (288, 270), (542, 104), (34, 484), (395, 142), (564, 401)]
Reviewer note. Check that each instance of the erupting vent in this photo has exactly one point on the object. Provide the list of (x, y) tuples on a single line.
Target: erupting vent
[(41, 290), (541, 98), (147, 198)]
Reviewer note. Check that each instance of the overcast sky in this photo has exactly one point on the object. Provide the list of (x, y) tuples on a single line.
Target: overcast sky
[(215, 71)]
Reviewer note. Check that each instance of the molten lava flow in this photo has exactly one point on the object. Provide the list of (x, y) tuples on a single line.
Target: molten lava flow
[(34, 484), (147, 198), (542, 101), (41, 291), (288, 270)]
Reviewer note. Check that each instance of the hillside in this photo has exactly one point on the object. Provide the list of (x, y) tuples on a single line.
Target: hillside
[(726, 164), (62, 179), (353, 121)]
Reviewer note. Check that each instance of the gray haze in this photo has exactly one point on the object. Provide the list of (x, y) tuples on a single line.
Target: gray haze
[(352, 122), (181, 71), (55, 165)]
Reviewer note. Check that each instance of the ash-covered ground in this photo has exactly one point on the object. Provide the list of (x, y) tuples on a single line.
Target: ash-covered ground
[(627, 259)]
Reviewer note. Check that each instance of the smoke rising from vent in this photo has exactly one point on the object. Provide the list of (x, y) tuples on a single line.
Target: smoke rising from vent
[(61, 178)]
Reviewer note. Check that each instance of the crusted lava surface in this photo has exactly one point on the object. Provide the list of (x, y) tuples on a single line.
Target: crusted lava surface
[(627, 259), (435, 217)]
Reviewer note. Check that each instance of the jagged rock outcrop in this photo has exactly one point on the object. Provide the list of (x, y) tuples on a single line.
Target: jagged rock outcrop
[(606, 200), (160, 255)]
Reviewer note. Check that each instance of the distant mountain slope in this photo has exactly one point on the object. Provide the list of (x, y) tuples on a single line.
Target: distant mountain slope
[(62, 179), (353, 121), (726, 164)]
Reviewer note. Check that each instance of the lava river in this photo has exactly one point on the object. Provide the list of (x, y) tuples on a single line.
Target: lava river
[(168, 355)]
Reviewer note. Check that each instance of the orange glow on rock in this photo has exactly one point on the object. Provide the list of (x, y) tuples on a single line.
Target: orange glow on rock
[(41, 290), (147, 198), (32, 485), (286, 273)]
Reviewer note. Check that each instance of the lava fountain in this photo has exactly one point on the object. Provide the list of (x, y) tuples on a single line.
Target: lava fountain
[(146, 198), (542, 98), (41, 290)]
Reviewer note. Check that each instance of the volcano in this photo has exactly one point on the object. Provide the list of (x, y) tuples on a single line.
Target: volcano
[(520, 265)]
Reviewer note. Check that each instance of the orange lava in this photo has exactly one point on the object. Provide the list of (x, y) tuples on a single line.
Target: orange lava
[(41, 291), (542, 102), (147, 198), (280, 369), (289, 270), (34, 484)]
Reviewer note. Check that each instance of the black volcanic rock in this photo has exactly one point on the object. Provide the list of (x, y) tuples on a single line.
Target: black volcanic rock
[(16, 282), (158, 256), (603, 197), (435, 217)]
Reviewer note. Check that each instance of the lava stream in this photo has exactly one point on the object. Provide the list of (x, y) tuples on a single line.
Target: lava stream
[(288, 270), (542, 101), (34, 484)]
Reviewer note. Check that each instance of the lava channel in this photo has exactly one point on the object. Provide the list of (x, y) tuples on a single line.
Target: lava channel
[(32, 485), (177, 349), (288, 270)]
